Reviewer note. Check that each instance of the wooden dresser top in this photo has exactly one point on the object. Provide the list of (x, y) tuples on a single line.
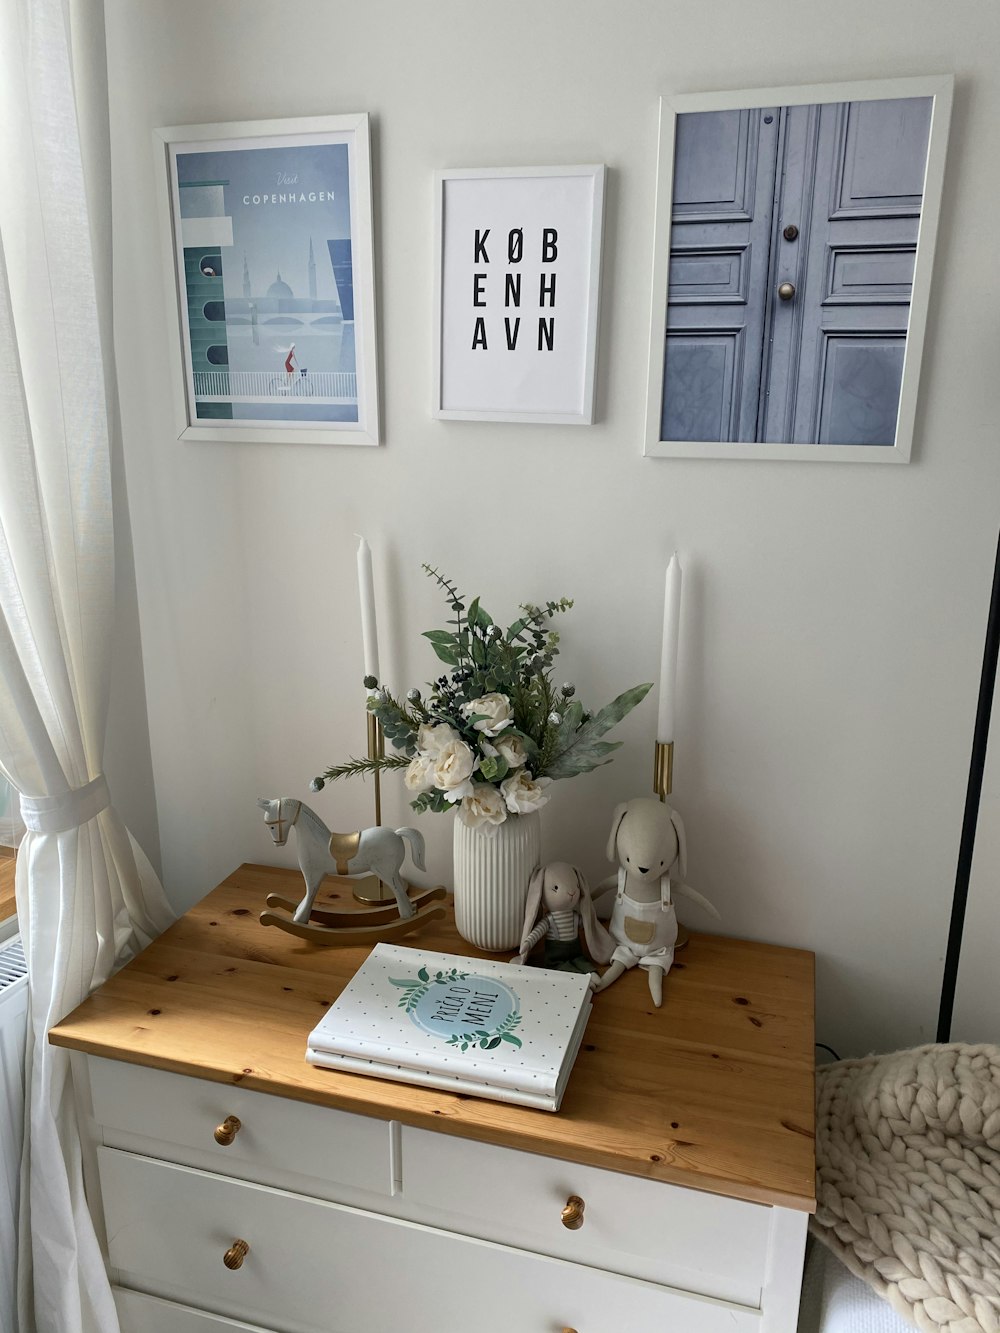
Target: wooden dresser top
[(713, 1091)]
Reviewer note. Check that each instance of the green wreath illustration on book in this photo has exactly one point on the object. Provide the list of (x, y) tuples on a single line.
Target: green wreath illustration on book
[(461, 1008)]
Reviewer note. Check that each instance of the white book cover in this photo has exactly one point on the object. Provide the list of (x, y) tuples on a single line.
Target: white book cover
[(477, 1025)]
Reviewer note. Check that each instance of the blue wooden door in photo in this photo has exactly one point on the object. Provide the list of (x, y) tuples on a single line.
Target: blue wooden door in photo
[(724, 183), (793, 239)]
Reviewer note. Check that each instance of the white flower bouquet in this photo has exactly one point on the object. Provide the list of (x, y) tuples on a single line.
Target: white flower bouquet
[(493, 733)]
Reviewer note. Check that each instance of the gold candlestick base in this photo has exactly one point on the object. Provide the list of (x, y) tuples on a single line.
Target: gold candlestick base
[(371, 889), (663, 769), (663, 784)]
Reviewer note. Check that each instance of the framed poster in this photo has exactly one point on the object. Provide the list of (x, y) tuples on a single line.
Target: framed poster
[(270, 272), (517, 285), (794, 242)]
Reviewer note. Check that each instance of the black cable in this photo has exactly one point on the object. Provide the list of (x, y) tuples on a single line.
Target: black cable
[(823, 1047), (980, 737)]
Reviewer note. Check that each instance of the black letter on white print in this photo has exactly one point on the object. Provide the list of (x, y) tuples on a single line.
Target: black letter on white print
[(547, 289), (512, 341), (546, 330), (515, 246), (479, 334), (550, 250), (512, 288), (478, 295), (481, 256)]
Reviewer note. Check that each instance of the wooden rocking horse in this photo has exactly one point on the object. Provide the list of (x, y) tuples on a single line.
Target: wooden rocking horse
[(378, 851)]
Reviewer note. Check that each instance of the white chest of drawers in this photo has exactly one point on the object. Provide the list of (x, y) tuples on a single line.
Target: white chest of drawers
[(370, 1207)]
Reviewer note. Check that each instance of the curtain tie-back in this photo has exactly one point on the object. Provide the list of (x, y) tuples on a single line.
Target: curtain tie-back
[(70, 810)]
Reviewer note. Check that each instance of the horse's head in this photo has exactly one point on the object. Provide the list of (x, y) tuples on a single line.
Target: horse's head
[(280, 814)]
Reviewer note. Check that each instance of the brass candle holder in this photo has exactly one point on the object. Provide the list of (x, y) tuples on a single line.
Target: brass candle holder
[(663, 768), (663, 785), (371, 889)]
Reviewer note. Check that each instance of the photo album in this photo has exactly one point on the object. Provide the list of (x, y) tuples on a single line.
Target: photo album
[(487, 1028)]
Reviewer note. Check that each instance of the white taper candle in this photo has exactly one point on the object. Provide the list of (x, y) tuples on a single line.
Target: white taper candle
[(665, 720), (366, 590)]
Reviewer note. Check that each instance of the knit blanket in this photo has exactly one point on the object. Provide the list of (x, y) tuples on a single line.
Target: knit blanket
[(908, 1180)]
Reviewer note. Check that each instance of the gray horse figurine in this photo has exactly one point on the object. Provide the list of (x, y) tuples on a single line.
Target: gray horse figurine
[(320, 852)]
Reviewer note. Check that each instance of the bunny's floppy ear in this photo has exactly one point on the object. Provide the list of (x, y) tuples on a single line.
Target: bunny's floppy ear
[(533, 903), (599, 942), (681, 860), (616, 819)]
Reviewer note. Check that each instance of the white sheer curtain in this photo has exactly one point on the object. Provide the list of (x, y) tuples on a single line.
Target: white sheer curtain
[(87, 897)]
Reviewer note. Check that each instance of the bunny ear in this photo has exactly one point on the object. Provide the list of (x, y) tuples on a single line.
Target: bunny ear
[(533, 903), (616, 819), (599, 942), (681, 860)]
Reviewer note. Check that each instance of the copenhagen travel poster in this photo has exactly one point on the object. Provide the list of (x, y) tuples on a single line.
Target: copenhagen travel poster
[(266, 276)]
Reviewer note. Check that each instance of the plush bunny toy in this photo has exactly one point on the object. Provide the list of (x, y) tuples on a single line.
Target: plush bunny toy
[(558, 899), (647, 840)]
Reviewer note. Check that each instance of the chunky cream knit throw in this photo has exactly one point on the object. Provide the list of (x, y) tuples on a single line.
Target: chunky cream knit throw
[(908, 1180)]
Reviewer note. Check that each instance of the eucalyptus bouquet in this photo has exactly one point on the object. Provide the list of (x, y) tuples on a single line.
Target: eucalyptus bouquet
[(493, 732)]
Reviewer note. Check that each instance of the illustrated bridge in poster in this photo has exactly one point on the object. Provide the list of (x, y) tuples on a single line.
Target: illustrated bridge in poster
[(262, 386)]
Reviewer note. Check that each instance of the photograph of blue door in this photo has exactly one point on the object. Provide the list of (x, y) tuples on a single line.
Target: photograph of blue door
[(791, 257)]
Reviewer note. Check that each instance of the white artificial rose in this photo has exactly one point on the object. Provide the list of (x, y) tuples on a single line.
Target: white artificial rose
[(494, 713), (523, 793), (460, 792), (434, 736), (512, 749), (419, 777), (483, 808), (452, 765)]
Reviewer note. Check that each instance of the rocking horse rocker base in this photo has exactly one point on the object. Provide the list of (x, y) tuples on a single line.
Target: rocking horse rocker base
[(353, 927)]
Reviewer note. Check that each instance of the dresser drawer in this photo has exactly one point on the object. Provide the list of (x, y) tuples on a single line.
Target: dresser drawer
[(177, 1116), (318, 1267), (148, 1314), (662, 1233)]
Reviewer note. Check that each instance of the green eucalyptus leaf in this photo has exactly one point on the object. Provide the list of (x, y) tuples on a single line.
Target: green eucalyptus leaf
[(445, 654)]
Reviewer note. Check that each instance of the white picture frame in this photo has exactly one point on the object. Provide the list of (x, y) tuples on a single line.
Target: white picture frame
[(516, 329), (296, 357), (937, 88)]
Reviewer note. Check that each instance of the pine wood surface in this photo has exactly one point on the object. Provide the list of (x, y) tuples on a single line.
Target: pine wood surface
[(713, 1091), (7, 864)]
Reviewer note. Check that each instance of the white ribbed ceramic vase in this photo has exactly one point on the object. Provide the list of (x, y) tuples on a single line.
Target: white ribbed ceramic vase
[(491, 880)]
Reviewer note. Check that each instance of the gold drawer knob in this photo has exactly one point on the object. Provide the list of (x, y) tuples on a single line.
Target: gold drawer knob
[(237, 1252), (572, 1214), (227, 1131)]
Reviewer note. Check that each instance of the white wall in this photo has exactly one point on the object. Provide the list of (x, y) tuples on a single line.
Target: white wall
[(833, 614)]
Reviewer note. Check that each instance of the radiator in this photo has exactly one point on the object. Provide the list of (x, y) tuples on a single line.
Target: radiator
[(13, 1024)]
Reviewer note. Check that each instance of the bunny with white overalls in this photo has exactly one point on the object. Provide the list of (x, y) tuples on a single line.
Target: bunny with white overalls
[(647, 840)]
